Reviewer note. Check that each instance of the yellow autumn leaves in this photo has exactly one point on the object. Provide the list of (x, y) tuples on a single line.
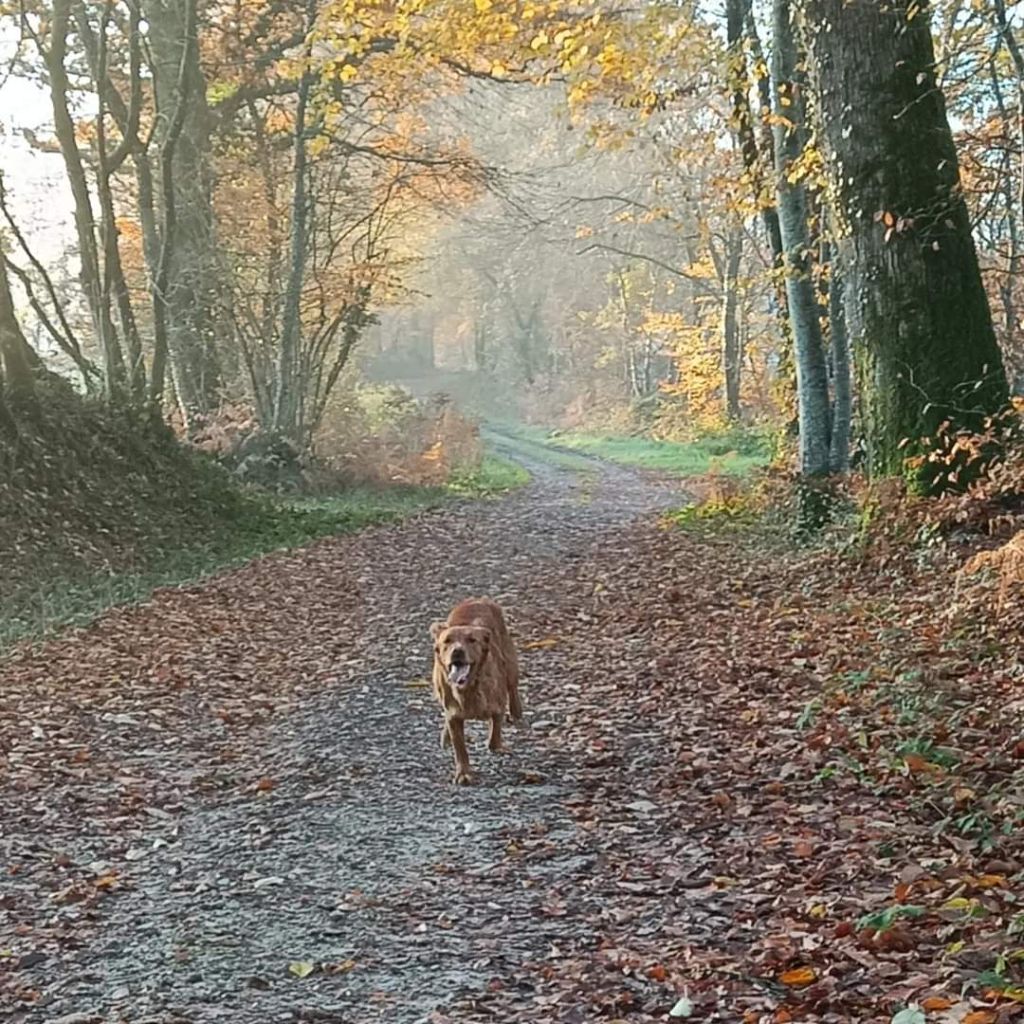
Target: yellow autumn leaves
[(595, 52)]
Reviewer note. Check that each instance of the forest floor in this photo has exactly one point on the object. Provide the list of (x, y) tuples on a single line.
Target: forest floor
[(754, 788)]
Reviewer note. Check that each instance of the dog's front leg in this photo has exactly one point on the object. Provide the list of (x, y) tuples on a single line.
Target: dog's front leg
[(446, 739), (457, 733)]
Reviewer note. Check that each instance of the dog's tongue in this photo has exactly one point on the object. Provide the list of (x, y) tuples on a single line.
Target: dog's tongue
[(458, 674)]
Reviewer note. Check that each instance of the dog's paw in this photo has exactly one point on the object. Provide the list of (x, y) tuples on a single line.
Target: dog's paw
[(462, 778), (499, 748)]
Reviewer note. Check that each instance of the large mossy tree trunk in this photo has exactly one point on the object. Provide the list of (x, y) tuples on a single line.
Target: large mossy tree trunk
[(917, 313)]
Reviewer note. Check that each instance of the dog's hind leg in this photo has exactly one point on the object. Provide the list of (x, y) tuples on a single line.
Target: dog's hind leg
[(515, 705), (494, 740)]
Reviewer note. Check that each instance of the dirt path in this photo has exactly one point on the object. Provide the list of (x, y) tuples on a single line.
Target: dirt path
[(763, 785), (205, 797)]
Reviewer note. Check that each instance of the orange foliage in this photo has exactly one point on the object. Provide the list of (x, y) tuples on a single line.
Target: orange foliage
[(400, 441)]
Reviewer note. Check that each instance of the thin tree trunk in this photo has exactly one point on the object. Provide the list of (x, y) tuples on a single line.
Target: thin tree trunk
[(732, 349), (739, 31), (287, 399), (1009, 38), (61, 331), (354, 321), (917, 312), (808, 345), (758, 152), (1012, 187), (272, 281), (126, 116), (90, 273), (114, 284)]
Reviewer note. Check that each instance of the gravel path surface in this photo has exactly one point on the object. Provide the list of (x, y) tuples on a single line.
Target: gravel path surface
[(229, 804)]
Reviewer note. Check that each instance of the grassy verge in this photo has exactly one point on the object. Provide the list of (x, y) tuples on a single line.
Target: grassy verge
[(66, 593), (533, 444), (733, 454), (495, 476)]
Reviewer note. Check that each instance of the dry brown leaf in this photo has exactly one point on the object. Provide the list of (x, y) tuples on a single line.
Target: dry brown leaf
[(980, 1017)]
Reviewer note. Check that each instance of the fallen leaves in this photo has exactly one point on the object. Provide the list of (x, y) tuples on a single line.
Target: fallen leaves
[(682, 1009), (537, 645), (909, 1015), (935, 1003), (980, 1017), (791, 793), (809, 760), (799, 977)]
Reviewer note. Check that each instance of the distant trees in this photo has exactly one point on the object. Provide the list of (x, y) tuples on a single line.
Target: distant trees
[(678, 220), (235, 219)]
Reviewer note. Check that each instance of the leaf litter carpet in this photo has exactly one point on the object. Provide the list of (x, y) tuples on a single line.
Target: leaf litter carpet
[(229, 804)]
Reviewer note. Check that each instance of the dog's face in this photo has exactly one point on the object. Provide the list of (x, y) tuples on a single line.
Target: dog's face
[(461, 650)]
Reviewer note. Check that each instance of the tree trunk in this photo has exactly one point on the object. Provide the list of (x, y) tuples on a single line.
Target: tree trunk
[(18, 361), (808, 345), (90, 273), (288, 396), (191, 268), (917, 313), (842, 397), (732, 349), (739, 31), (16, 354), (1012, 187)]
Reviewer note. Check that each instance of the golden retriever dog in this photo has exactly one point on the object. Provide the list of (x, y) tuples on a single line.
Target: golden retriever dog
[(476, 676)]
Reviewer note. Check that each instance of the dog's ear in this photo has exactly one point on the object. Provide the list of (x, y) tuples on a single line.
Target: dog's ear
[(437, 628)]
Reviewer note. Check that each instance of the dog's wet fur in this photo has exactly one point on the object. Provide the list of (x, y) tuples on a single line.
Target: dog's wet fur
[(476, 676)]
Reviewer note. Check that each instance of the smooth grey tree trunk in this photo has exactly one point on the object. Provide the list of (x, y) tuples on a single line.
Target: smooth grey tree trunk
[(190, 265), (808, 345), (757, 148), (289, 384)]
